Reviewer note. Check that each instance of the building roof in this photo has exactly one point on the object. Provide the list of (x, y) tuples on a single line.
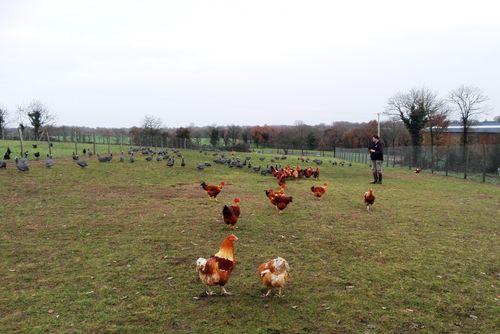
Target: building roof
[(483, 127)]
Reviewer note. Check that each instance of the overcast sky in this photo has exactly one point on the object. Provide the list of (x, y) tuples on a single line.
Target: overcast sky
[(109, 63)]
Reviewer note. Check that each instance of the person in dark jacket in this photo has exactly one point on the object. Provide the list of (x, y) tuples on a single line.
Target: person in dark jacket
[(377, 157)]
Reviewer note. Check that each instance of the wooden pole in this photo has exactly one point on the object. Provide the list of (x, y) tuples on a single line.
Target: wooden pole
[(393, 157), (410, 157), (432, 159), (93, 146), (109, 148), (74, 140), (466, 161), (446, 162), (387, 158), (121, 143), (484, 163), (48, 142), (21, 140)]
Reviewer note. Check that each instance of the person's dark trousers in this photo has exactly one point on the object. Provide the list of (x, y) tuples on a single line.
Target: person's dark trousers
[(377, 171)]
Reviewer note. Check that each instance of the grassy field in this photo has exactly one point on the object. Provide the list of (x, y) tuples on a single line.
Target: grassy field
[(59, 149), (111, 248)]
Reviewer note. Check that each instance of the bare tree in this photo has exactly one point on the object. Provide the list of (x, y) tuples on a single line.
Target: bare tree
[(233, 133), (214, 136), (394, 132), (3, 121), (468, 104), (39, 116), (301, 128), (225, 136), (415, 109), (151, 125)]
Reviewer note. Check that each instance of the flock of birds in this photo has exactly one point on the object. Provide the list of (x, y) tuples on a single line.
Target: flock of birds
[(217, 269)]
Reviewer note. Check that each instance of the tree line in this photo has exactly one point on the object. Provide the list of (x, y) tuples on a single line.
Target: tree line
[(409, 113)]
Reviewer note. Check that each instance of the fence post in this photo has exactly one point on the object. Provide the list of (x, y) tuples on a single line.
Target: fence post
[(466, 161), (21, 140), (48, 142), (446, 162), (410, 151), (432, 159), (93, 146), (74, 141), (484, 163)]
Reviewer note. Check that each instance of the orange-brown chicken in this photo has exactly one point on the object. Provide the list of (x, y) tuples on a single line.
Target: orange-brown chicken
[(282, 202), (369, 199), (316, 172), (308, 172), (231, 213), (212, 190), (319, 191), (274, 274), (217, 269), (272, 195), (279, 199)]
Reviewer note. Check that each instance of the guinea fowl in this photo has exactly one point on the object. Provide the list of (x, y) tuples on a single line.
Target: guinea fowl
[(6, 156), (82, 163), (256, 169), (22, 165), (159, 157), (149, 158), (3, 164), (132, 157), (37, 155), (122, 157), (49, 162), (170, 162), (75, 156), (183, 163), (105, 158), (201, 166)]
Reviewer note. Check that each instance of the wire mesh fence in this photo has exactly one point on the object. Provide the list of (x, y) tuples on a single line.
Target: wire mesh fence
[(476, 161)]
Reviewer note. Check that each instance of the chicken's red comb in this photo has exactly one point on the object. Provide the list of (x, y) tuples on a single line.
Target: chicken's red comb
[(236, 200)]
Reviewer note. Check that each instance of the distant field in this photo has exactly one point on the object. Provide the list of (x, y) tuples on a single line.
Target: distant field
[(59, 149), (111, 248), (100, 139)]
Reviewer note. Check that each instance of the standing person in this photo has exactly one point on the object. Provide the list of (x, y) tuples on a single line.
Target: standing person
[(377, 157)]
